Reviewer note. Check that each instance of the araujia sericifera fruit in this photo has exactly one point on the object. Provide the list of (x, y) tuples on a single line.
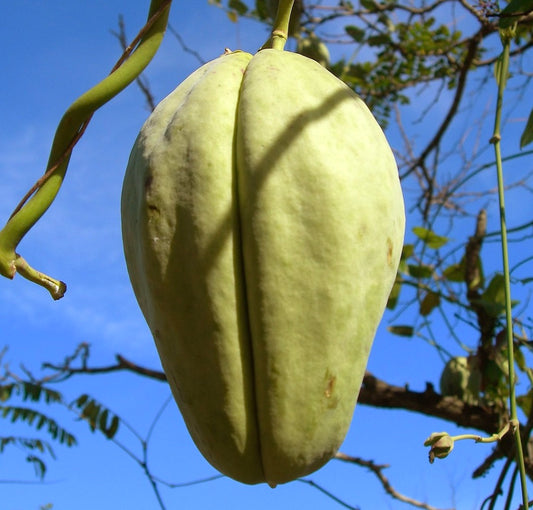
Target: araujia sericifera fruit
[(263, 224)]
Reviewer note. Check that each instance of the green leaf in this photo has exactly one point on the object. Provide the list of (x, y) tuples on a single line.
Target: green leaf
[(356, 33), (421, 271), (520, 358), (430, 301), (493, 299), (524, 402), (368, 4), (455, 273), (378, 40), (31, 416), (6, 392), (36, 392), (407, 331), (394, 294), (38, 465), (81, 400), (111, 429), (261, 9), (239, 7), (527, 135), (513, 10), (429, 237), (407, 251), (90, 412), (97, 416)]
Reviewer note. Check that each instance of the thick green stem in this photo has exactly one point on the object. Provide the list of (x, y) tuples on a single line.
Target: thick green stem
[(496, 138), (280, 32), (68, 131)]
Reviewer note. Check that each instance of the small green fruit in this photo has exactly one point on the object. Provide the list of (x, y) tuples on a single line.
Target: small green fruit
[(313, 48), (263, 224), (461, 378)]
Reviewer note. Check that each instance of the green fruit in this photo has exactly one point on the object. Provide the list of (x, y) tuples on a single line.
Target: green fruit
[(263, 224), (313, 47), (461, 378)]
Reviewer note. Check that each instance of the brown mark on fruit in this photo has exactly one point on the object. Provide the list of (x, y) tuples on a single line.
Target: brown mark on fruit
[(389, 251), (148, 182), (330, 386), (331, 400)]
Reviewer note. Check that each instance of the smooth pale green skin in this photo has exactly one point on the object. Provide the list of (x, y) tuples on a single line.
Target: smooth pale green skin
[(263, 224)]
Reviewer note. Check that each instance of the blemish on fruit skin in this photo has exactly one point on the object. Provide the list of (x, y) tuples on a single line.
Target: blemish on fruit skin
[(148, 182), (331, 397), (330, 386), (389, 251)]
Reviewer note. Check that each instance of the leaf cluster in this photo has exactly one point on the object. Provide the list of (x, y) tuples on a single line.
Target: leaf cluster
[(34, 448), (21, 402)]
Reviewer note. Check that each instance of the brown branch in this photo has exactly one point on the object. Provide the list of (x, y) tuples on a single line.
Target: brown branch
[(378, 393), (473, 281), (65, 370), (472, 252), (374, 392), (184, 47)]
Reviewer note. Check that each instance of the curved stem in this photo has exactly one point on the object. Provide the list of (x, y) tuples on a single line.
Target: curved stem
[(280, 32), (68, 132)]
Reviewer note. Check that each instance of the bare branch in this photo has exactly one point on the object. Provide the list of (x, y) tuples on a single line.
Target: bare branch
[(141, 81), (184, 47), (377, 469), (64, 370)]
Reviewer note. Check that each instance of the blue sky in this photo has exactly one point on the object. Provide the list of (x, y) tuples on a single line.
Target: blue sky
[(52, 52)]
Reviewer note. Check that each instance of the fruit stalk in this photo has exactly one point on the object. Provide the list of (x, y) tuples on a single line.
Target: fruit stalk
[(280, 31)]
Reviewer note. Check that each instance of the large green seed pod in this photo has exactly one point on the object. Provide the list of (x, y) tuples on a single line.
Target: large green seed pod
[(263, 224)]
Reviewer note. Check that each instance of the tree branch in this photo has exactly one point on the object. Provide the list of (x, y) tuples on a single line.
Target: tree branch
[(378, 393), (65, 370), (378, 471), (374, 392)]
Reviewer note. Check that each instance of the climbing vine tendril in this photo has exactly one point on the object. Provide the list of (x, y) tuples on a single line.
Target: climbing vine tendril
[(70, 129)]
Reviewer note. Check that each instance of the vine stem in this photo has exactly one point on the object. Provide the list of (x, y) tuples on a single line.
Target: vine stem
[(69, 130), (502, 72), (280, 31)]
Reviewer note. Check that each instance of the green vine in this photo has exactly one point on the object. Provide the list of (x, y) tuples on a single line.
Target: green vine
[(502, 70), (441, 443), (70, 129)]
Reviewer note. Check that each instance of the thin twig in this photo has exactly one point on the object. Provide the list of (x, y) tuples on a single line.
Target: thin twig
[(327, 493), (377, 469), (142, 83)]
